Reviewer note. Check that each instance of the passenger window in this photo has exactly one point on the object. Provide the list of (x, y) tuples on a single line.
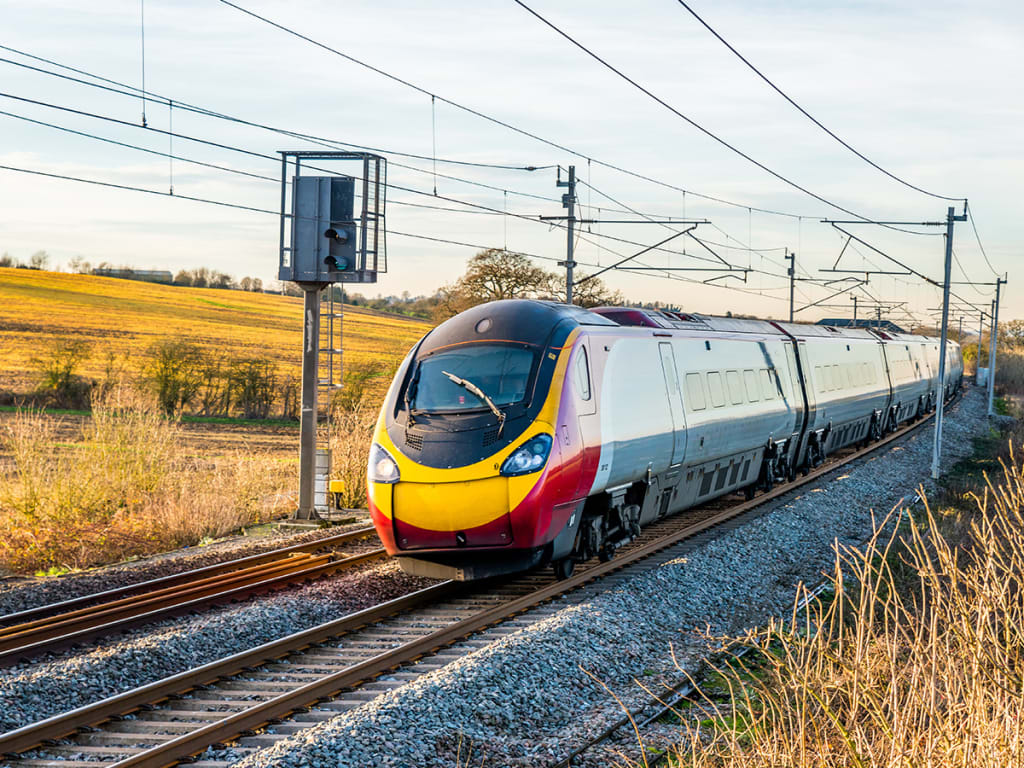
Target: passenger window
[(750, 381), (766, 384), (695, 392), (582, 375), (715, 389), (819, 379), (735, 387)]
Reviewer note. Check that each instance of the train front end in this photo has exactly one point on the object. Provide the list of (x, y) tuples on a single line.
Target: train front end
[(466, 477)]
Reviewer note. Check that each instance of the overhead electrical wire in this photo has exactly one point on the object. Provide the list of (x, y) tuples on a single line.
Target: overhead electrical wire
[(212, 113), (805, 113), (264, 156), (498, 121), (221, 203), (977, 237), (690, 121), (130, 91)]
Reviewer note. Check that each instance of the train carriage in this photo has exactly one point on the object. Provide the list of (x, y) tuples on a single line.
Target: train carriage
[(522, 433)]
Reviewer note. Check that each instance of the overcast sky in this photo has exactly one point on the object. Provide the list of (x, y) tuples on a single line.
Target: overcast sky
[(929, 90)]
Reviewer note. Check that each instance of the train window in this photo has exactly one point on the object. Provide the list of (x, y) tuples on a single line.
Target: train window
[(840, 376), (735, 387), (695, 392), (819, 379), (750, 381), (826, 378), (767, 386), (582, 375), (715, 389)]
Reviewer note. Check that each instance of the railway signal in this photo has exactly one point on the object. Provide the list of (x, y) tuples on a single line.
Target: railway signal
[(323, 241)]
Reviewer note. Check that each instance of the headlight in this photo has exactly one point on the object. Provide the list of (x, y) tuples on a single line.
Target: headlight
[(383, 468), (529, 457)]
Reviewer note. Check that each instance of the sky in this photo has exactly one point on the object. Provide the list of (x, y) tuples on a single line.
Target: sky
[(930, 91)]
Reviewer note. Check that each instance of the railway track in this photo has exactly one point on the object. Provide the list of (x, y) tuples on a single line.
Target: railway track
[(70, 623), (313, 675)]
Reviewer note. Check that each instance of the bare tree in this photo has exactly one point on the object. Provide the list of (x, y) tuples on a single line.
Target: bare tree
[(38, 260), (491, 275)]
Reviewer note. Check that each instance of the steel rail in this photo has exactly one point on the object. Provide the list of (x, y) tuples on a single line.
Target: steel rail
[(187, 745), (75, 603), (168, 607)]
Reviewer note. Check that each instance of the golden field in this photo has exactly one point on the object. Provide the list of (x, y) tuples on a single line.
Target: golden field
[(124, 317), (81, 490)]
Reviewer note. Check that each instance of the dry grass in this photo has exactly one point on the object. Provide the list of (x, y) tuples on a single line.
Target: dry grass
[(127, 487), (918, 660), (1010, 371)]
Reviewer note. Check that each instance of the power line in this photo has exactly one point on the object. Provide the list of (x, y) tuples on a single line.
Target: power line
[(805, 113), (693, 122), (502, 123), (125, 89), (221, 203), (978, 238), (128, 90)]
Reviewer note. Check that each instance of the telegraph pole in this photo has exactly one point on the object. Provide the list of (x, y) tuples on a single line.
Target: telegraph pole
[(569, 203), (854, 309), (791, 258), (977, 363), (940, 398), (993, 336)]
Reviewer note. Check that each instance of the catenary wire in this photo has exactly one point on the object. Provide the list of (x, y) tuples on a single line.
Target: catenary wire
[(805, 113), (498, 121), (690, 121)]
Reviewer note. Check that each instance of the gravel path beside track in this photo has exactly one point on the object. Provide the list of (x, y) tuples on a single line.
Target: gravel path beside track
[(527, 698), (19, 594), (39, 689)]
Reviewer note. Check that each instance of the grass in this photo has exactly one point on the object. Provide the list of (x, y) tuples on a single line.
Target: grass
[(129, 486), (119, 320), (916, 658)]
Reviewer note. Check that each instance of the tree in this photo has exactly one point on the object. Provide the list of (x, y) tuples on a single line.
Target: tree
[(175, 372), (38, 260), (7, 260), (491, 275), (496, 274), (586, 291), (78, 265)]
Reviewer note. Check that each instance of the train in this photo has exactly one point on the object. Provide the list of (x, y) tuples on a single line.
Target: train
[(523, 433)]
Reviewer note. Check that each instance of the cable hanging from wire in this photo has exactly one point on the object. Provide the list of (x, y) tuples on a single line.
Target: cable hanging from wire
[(805, 113), (690, 121)]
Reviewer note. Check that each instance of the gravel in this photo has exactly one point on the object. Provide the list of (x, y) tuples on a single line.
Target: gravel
[(39, 689), (530, 696), (22, 593)]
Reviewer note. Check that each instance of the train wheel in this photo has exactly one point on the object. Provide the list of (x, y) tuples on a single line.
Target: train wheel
[(749, 492), (564, 568), (606, 554)]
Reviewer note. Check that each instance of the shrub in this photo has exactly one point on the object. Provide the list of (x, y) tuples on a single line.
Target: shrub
[(175, 370), (59, 381)]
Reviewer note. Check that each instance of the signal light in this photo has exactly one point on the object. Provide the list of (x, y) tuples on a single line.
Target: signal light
[(335, 264)]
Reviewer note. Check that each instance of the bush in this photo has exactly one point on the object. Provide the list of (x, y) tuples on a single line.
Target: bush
[(174, 370), (59, 382)]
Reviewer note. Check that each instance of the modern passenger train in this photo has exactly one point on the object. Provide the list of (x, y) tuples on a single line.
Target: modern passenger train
[(524, 433)]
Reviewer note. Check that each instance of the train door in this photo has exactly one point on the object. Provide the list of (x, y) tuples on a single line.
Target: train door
[(582, 374), (675, 400)]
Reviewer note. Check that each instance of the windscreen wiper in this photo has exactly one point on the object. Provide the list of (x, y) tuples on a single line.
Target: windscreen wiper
[(471, 387)]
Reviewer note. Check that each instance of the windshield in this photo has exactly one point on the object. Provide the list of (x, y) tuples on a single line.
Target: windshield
[(501, 372)]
